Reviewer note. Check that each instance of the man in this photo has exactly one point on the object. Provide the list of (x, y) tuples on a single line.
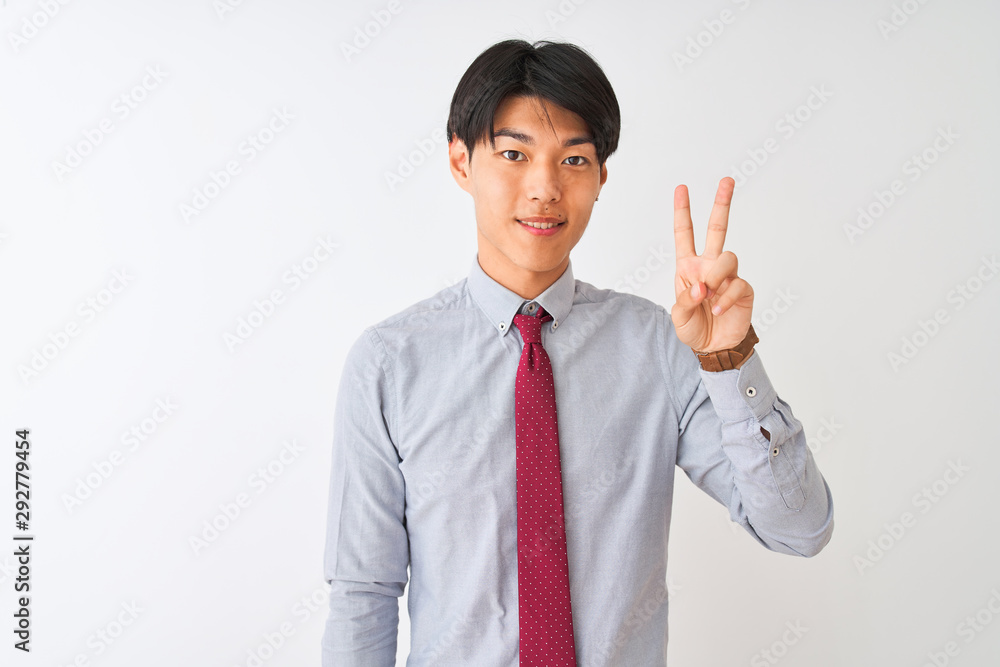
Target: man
[(438, 445)]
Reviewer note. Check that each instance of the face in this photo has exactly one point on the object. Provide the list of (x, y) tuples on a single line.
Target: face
[(538, 173)]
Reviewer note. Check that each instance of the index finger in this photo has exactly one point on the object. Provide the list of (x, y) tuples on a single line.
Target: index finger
[(718, 222), (683, 229)]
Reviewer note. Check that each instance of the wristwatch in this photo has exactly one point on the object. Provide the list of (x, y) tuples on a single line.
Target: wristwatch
[(725, 360)]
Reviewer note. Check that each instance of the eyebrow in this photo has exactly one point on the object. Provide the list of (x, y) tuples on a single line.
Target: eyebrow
[(526, 139)]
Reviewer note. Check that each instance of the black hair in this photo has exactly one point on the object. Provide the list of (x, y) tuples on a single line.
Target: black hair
[(557, 72)]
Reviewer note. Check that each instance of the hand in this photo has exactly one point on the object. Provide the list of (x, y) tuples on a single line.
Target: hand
[(708, 281)]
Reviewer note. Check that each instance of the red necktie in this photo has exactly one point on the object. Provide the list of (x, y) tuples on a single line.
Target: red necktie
[(545, 620)]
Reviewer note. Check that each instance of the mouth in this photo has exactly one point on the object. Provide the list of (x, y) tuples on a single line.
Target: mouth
[(540, 224)]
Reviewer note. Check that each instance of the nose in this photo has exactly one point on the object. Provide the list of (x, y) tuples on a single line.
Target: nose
[(542, 182)]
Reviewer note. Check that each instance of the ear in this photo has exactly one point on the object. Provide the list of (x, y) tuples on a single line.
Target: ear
[(604, 175), (458, 161)]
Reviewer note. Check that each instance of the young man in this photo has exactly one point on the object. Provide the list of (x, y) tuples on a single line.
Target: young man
[(531, 540)]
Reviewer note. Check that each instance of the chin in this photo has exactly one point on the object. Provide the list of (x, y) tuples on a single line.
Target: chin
[(540, 262)]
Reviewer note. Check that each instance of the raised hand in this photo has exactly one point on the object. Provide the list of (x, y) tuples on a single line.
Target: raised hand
[(713, 305)]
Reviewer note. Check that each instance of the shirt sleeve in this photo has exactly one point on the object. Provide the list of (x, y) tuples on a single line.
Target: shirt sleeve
[(770, 483), (367, 546)]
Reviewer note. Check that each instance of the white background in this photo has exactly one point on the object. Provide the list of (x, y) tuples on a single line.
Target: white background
[(830, 306)]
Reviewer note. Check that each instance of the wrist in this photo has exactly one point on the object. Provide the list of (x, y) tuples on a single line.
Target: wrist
[(744, 360), (729, 359)]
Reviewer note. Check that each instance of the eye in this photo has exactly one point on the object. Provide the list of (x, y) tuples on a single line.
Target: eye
[(582, 160), (512, 151)]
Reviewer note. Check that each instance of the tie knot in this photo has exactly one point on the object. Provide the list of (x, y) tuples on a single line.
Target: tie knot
[(531, 326)]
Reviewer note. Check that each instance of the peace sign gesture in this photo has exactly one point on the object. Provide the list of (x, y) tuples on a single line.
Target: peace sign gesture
[(713, 304)]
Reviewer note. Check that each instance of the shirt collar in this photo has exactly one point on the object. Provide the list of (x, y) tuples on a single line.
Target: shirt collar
[(500, 304)]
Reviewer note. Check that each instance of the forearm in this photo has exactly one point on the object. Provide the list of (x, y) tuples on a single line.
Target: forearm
[(780, 495), (363, 624)]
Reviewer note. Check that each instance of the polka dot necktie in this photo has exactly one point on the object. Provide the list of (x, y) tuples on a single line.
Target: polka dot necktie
[(545, 620)]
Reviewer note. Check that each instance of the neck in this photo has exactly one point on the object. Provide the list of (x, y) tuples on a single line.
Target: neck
[(524, 282)]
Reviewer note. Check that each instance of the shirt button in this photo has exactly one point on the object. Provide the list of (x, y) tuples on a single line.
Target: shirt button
[(751, 391), (531, 307), (555, 324), (774, 452), (503, 325)]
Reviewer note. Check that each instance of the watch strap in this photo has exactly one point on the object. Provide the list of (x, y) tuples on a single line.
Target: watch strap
[(725, 360)]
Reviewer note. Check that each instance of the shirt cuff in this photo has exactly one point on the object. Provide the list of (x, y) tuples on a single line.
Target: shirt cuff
[(741, 392)]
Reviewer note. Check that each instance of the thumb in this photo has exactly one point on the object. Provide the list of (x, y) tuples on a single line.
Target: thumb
[(687, 301)]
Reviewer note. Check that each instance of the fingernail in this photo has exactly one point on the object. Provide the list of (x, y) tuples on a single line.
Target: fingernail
[(694, 291), (717, 310)]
